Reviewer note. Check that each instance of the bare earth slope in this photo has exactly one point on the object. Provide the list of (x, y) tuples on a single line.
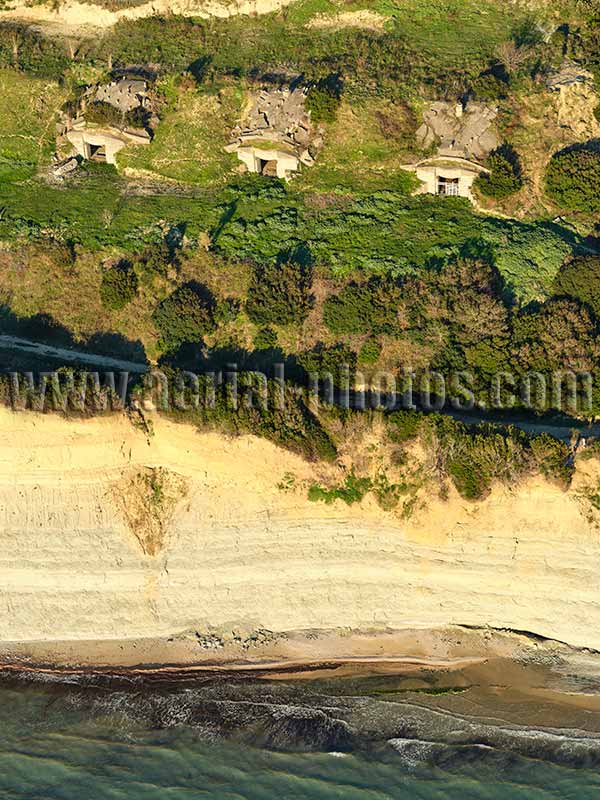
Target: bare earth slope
[(234, 549), (73, 15)]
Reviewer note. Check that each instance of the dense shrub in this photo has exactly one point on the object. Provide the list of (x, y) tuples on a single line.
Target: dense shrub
[(474, 457), (184, 316), (280, 293), (489, 87), (289, 424), (323, 99), (334, 361), (580, 278), (351, 491), (101, 113), (27, 49), (172, 43), (372, 307), (552, 459), (504, 177), (119, 286), (558, 335), (462, 305), (573, 177), (404, 425), (138, 117), (265, 339), (155, 260), (370, 351)]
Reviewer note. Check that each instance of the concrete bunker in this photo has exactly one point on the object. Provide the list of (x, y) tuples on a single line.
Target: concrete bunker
[(98, 135), (446, 176), (275, 136)]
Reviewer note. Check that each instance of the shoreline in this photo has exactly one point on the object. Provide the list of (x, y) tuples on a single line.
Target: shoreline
[(481, 675), (291, 654)]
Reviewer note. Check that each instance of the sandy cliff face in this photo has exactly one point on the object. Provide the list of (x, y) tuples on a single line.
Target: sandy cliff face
[(231, 548), (73, 15)]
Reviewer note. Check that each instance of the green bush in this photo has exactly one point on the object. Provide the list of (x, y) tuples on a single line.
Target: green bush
[(580, 279), (101, 113), (371, 307), (186, 315), (473, 457), (289, 424), (370, 351), (488, 87), (137, 117), (25, 48), (504, 177), (280, 293), (328, 360), (404, 425), (155, 260), (323, 99), (573, 177), (351, 491), (119, 286), (172, 43), (552, 459), (265, 339)]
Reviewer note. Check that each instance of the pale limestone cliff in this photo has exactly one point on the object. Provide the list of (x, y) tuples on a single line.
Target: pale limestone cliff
[(237, 550), (73, 15)]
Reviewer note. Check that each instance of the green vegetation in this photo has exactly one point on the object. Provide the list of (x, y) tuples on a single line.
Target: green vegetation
[(365, 148), (388, 232), (323, 360), (323, 99), (475, 457), (280, 292), (265, 339), (369, 352), (24, 48), (260, 410), (27, 110), (119, 286), (351, 491), (572, 179), (372, 307), (188, 143), (580, 279), (504, 177), (186, 315)]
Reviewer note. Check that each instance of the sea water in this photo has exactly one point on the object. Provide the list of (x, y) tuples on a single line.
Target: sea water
[(231, 739)]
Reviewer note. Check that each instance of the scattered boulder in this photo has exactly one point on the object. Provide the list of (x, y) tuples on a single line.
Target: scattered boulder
[(61, 169), (462, 131)]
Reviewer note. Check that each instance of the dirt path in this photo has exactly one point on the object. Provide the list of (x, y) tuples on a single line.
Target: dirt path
[(40, 350)]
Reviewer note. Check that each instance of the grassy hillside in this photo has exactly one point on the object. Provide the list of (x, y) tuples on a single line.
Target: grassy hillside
[(188, 145), (27, 115)]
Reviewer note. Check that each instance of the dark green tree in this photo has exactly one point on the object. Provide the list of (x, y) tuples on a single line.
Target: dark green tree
[(504, 177), (580, 278), (186, 315), (373, 307), (573, 178), (280, 293)]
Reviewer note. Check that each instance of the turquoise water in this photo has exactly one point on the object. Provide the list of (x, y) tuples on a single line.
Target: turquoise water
[(79, 744)]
